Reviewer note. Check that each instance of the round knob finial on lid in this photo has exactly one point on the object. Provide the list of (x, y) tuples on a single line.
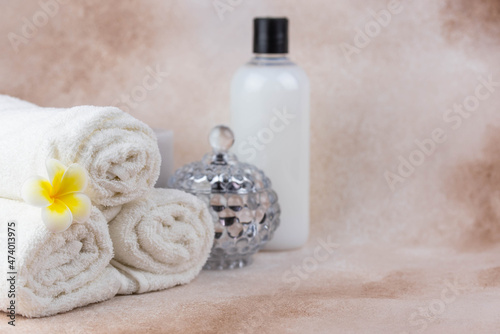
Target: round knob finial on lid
[(221, 138)]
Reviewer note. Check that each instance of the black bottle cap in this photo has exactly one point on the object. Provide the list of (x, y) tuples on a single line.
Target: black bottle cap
[(270, 35)]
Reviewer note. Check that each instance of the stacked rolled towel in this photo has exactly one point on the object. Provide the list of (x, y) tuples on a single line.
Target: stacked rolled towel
[(56, 272), (161, 241), (119, 152), (160, 237)]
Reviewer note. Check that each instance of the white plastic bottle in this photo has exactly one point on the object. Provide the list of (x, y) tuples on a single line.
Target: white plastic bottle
[(270, 120)]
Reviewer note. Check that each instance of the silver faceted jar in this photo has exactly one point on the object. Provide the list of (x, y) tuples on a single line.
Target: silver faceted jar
[(243, 206)]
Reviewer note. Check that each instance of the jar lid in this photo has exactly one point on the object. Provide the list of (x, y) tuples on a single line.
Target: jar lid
[(220, 171)]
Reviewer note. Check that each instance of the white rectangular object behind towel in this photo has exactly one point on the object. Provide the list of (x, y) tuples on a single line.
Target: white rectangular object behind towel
[(166, 146)]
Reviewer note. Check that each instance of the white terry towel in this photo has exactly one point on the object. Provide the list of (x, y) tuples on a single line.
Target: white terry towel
[(161, 241), (56, 272), (119, 152)]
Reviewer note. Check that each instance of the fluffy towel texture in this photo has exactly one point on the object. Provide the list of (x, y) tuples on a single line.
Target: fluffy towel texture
[(109, 212), (119, 152), (56, 272), (161, 241)]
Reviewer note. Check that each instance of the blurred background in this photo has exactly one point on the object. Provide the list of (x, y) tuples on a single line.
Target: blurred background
[(381, 89)]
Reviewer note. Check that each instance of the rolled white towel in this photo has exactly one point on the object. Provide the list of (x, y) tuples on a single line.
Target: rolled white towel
[(56, 272), (119, 152), (161, 241)]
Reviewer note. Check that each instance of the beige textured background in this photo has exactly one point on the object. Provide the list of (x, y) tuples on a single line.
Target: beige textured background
[(365, 113), (440, 225)]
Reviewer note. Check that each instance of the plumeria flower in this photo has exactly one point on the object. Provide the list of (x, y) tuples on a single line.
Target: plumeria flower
[(61, 197)]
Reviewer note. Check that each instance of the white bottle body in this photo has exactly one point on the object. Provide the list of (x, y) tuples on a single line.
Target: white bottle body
[(270, 120)]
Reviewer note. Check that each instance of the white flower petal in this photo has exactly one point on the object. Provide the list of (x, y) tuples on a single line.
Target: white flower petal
[(74, 180), (79, 204), (57, 217), (36, 191)]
